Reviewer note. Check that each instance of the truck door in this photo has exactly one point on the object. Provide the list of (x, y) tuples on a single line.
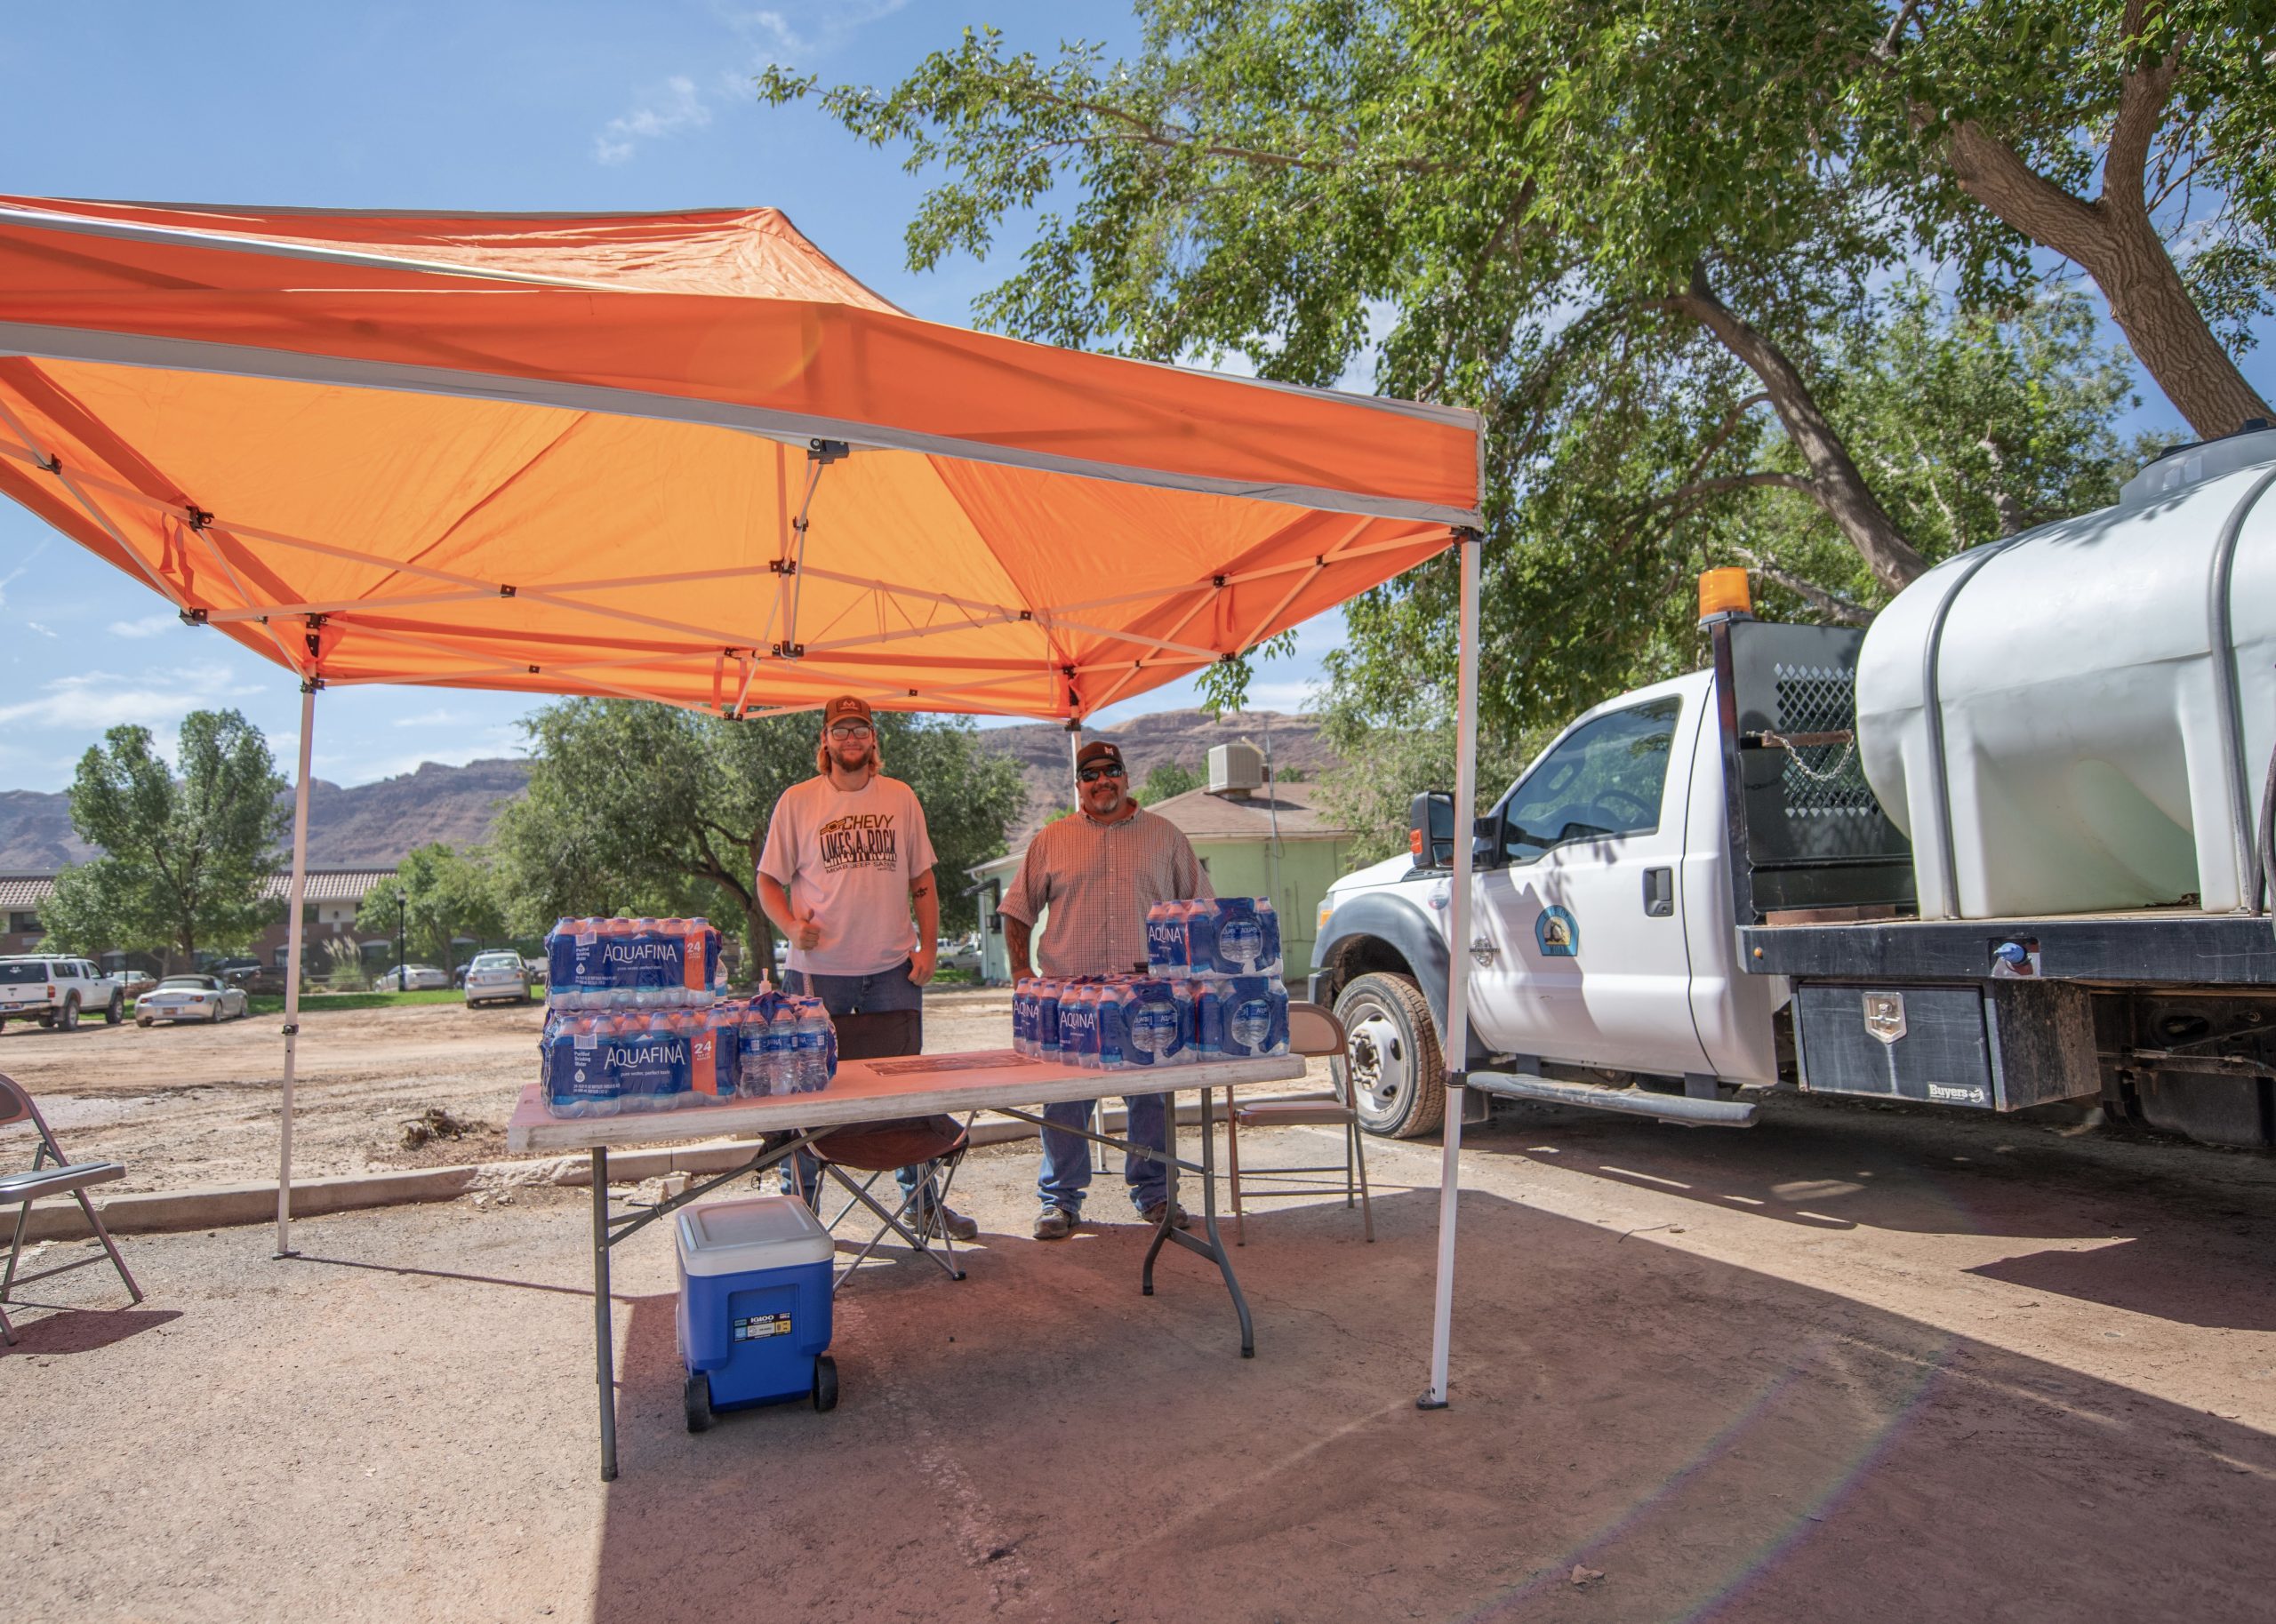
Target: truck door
[(1580, 949)]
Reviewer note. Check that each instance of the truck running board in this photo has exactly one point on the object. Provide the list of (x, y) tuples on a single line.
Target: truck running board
[(1628, 1101)]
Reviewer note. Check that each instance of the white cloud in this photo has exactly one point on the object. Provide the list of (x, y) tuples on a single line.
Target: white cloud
[(430, 718), (99, 700), (10, 578), (41, 630), (675, 108), (148, 626)]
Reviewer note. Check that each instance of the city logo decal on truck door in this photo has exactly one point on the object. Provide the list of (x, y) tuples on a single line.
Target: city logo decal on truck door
[(1558, 932)]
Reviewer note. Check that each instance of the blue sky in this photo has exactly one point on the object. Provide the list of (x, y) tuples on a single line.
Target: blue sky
[(487, 104)]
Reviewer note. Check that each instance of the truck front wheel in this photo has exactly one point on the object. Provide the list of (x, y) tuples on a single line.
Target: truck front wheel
[(1390, 1067)]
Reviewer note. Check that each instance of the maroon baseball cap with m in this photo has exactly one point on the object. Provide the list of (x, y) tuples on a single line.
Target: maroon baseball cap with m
[(846, 708)]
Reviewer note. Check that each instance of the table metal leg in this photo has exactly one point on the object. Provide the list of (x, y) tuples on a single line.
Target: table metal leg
[(604, 1335), (1209, 1215)]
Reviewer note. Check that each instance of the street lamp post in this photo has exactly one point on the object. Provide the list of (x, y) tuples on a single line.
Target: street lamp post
[(400, 983)]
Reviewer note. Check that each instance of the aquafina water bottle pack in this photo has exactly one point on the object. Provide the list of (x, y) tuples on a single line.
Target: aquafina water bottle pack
[(604, 1062), (1129, 1022), (1213, 937), (1242, 1018), (632, 963)]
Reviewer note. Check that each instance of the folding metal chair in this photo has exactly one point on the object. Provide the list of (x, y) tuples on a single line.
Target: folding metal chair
[(1311, 1031), (66, 1177), (875, 1149)]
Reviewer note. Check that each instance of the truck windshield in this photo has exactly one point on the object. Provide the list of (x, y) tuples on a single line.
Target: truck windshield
[(18, 974), (1604, 779)]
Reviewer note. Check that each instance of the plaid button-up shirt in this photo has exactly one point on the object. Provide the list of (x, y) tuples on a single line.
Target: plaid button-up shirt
[(1097, 880)]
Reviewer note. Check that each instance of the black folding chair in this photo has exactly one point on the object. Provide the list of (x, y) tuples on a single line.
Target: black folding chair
[(67, 1177), (874, 1149)]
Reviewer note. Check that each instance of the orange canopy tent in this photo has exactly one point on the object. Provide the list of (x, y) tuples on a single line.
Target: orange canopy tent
[(678, 457)]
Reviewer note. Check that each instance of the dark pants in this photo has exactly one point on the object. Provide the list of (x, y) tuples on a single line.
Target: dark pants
[(889, 990)]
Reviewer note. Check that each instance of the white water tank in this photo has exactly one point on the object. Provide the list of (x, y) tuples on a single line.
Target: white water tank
[(2079, 719)]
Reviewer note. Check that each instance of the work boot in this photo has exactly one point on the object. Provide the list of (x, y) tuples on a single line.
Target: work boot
[(932, 1216), (1054, 1224), (1153, 1215)]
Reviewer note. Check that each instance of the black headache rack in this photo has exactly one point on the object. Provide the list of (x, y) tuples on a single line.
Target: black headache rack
[(1822, 881)]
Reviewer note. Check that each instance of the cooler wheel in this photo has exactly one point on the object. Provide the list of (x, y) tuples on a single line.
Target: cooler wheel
[(698, 1403), (825, 1382)]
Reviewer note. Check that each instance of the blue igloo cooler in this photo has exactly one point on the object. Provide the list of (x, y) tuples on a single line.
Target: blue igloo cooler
[(753, 1306)]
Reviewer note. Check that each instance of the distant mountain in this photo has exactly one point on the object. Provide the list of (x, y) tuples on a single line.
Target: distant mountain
[(372, 825), (361, 826)]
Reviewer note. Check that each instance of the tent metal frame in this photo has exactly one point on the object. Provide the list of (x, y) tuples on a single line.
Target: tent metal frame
[(826, 440)]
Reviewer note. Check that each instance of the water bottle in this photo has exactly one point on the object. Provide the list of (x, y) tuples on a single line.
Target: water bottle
[(1208, 1033), (1165, 939), (1151, 1036), (754, 1072), (1023, 1017), (1200, 936), (1114, 1024), (782, 1047), (814, 1035), (1268, 918), (1253, 1017), (1045, 1038), (1240, 937)]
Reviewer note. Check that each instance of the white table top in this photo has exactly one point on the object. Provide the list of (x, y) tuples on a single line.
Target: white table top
[(877, 1090)]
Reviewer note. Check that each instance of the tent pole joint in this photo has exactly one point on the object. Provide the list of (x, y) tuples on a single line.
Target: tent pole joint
[(827, 452), (53, 463), (193, 617), (505, 591), (196, 517)]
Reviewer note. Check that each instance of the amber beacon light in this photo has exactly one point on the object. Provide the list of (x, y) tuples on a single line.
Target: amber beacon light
[(1724, 592)]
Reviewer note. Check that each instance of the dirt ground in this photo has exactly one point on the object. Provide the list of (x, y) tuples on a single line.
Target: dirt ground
[(185, 1105), (1848, 1364)]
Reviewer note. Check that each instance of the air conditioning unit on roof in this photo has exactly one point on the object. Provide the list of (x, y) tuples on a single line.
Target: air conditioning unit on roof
[(1236, 770)]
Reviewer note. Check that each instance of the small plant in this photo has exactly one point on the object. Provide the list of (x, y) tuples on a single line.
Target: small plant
[(348, 973)]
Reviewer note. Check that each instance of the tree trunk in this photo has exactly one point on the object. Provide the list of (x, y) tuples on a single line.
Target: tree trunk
[(1835, 482), (2115, 241)]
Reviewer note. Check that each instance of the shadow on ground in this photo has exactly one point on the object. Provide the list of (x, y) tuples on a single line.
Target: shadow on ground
[(1041, 1442)]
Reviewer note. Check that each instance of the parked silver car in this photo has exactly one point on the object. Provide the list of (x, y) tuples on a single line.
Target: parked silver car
[(497, 978), (415, 978), (191, 997)]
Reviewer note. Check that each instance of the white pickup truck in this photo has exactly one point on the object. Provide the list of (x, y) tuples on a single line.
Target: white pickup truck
[(2006, 847), (56, 991)]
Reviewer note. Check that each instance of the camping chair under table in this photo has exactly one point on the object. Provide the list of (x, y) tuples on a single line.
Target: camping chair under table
[(1312, 1030), (66, 1177), (878, 1148)]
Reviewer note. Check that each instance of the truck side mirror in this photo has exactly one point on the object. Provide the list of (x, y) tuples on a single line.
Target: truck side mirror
[(1431, 829)]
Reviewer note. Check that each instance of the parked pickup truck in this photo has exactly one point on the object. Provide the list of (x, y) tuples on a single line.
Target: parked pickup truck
[(56, 991), (2009, 845)]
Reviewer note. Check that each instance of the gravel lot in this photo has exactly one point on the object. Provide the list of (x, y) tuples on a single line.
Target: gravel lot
[(187, 1106), (1848, 1365)]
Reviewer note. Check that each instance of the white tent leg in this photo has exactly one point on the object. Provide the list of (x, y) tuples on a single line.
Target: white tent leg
[(1457, 1052), (296, 894)]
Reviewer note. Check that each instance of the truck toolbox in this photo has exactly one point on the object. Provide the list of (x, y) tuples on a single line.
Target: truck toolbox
[(1991, 1046)]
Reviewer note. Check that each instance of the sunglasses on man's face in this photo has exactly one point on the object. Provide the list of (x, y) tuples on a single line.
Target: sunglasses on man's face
[(851, 730), (1091, 775)]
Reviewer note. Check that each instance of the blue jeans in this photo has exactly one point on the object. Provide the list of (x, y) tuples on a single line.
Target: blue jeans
[(856, 995), (1067, 1156)]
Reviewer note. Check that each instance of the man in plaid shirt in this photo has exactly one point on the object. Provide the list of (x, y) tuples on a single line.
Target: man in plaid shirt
[(1098, 871)]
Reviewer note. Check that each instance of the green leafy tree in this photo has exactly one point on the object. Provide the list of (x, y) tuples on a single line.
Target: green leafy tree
[(1166, 779), (1641, 240), (184, 853), (2131, 137), (641, 808), (447, 894)]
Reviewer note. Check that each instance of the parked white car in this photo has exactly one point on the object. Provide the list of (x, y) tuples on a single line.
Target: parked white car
[(191, 997), (416, 978), (56, 991), (497, 978)]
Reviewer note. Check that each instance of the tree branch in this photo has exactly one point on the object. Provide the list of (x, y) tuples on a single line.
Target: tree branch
[(1730, 426), (1832, 604)]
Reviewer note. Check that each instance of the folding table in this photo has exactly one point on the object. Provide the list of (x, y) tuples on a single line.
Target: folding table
[(1001, 1080)]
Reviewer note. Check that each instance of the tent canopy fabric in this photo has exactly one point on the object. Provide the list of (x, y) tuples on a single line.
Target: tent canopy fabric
[(680, 457)]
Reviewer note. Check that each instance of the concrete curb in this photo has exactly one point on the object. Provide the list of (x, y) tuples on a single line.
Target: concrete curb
[(225, 1205)]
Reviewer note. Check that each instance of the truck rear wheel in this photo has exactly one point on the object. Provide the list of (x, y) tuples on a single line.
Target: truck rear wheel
[(1390, 1067)]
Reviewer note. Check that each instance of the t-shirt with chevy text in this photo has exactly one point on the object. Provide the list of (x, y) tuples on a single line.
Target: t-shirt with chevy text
[(847, 856)]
